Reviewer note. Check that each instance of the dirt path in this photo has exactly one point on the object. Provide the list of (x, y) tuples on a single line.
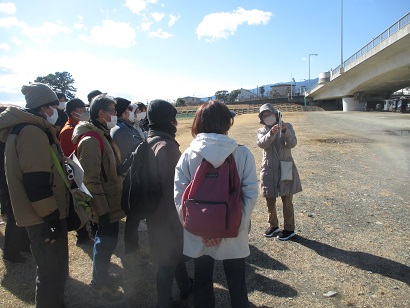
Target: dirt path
[(352, 217), (352, 224)]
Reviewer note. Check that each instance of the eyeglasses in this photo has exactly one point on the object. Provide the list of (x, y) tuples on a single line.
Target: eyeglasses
[(113, 111)]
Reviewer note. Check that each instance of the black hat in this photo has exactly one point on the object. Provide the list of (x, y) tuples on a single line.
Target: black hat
[(142, 106), (121, 105), (93, 94), (61, 95), (73, 104), (160, 111)]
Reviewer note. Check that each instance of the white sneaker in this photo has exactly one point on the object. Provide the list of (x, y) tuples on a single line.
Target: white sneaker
[(142, 226)]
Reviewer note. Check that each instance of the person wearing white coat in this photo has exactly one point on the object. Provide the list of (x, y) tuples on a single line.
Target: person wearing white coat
[(211, 124)]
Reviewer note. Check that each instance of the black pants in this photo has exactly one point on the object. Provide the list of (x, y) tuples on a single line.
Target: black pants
[(15, 238), (235, 275), (131, 238), (165, 278), (52, 266)]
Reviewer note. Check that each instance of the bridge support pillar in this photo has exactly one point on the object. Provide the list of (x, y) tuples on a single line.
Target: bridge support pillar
[(351, 104)]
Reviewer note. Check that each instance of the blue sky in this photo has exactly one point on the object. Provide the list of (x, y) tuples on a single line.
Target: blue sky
[(148, 49)]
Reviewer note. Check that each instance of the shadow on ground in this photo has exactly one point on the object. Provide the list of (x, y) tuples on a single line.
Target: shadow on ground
[(360, 260)]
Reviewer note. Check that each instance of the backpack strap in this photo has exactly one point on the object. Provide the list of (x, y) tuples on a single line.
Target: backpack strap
[(19, 127), (100, 141)]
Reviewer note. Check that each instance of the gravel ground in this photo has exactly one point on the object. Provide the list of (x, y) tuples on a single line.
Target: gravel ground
[(352, 223)]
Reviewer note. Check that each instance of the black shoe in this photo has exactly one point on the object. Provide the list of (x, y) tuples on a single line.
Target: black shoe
[(187, 293), (270, 231), (14, 259), (285, 235)]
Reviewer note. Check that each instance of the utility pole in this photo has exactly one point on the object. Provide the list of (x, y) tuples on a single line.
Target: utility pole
[(341, 36), (311, 54)]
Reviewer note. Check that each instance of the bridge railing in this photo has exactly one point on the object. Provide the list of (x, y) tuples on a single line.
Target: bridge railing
[(405, 20)]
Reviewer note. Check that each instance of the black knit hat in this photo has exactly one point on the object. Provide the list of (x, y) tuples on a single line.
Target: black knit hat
[(93, 94), (160, 111), (121, 106), (73, 104)]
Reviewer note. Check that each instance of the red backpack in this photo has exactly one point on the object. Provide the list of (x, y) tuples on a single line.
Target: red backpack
[(212, 202)]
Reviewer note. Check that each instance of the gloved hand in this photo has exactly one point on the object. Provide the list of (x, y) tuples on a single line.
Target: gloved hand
[(104, 220), (52, 227)]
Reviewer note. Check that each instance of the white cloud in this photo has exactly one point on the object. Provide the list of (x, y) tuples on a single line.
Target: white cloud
[(146, 26), (112, 33), (79, 24), (157, 16), (137, 6), (135, 81), (224, 24), (160, 34), (172, 19), (46, 31), (8, 8), (4, 46), (17, 41), (9, 22)]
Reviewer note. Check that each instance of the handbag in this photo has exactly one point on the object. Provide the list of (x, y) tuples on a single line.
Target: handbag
[(79, 205), (286, 168)]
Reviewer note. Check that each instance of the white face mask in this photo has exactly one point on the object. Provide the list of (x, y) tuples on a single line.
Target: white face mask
[(112, 122), (269, 120), (53, 119), (61, 106), (131, 117), (141, 116), (85, 116)]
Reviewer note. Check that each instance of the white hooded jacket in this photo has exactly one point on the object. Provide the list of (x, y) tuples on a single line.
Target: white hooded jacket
[(215, 148)]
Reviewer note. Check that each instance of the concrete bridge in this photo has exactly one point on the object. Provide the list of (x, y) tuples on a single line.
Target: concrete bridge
[(374, 72)]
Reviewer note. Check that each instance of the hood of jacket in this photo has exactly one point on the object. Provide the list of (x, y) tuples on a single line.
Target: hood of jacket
[(84, 127), (215, 148), (13, 116)]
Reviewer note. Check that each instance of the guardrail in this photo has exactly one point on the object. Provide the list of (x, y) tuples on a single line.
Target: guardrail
[(255, 109), (405, 20)]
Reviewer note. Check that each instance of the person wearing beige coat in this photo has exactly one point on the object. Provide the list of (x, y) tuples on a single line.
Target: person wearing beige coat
[(100, 162), (277, 147), (38, 193)]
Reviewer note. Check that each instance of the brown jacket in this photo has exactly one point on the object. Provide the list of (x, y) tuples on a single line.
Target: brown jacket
[(276, 149), (164, 228), (107, 190), (36, 188)]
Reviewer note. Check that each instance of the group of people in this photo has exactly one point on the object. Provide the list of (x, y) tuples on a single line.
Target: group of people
[(104, 136)]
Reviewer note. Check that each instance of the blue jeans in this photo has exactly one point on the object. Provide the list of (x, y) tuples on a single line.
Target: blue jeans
[(235, 276), (106, 239)]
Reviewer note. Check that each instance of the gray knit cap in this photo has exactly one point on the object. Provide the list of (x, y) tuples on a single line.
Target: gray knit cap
[(38, 94)]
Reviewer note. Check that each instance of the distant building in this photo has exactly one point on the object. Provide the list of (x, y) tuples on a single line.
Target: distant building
[(246, 95), (191, 101), (281, 90)]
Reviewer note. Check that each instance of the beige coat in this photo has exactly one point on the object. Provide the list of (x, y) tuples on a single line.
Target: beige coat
[(106, 191), (275, 149), (36, 188)]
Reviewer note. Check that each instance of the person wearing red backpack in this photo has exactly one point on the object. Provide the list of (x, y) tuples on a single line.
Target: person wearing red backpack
[(99, 156), (210, 128)]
